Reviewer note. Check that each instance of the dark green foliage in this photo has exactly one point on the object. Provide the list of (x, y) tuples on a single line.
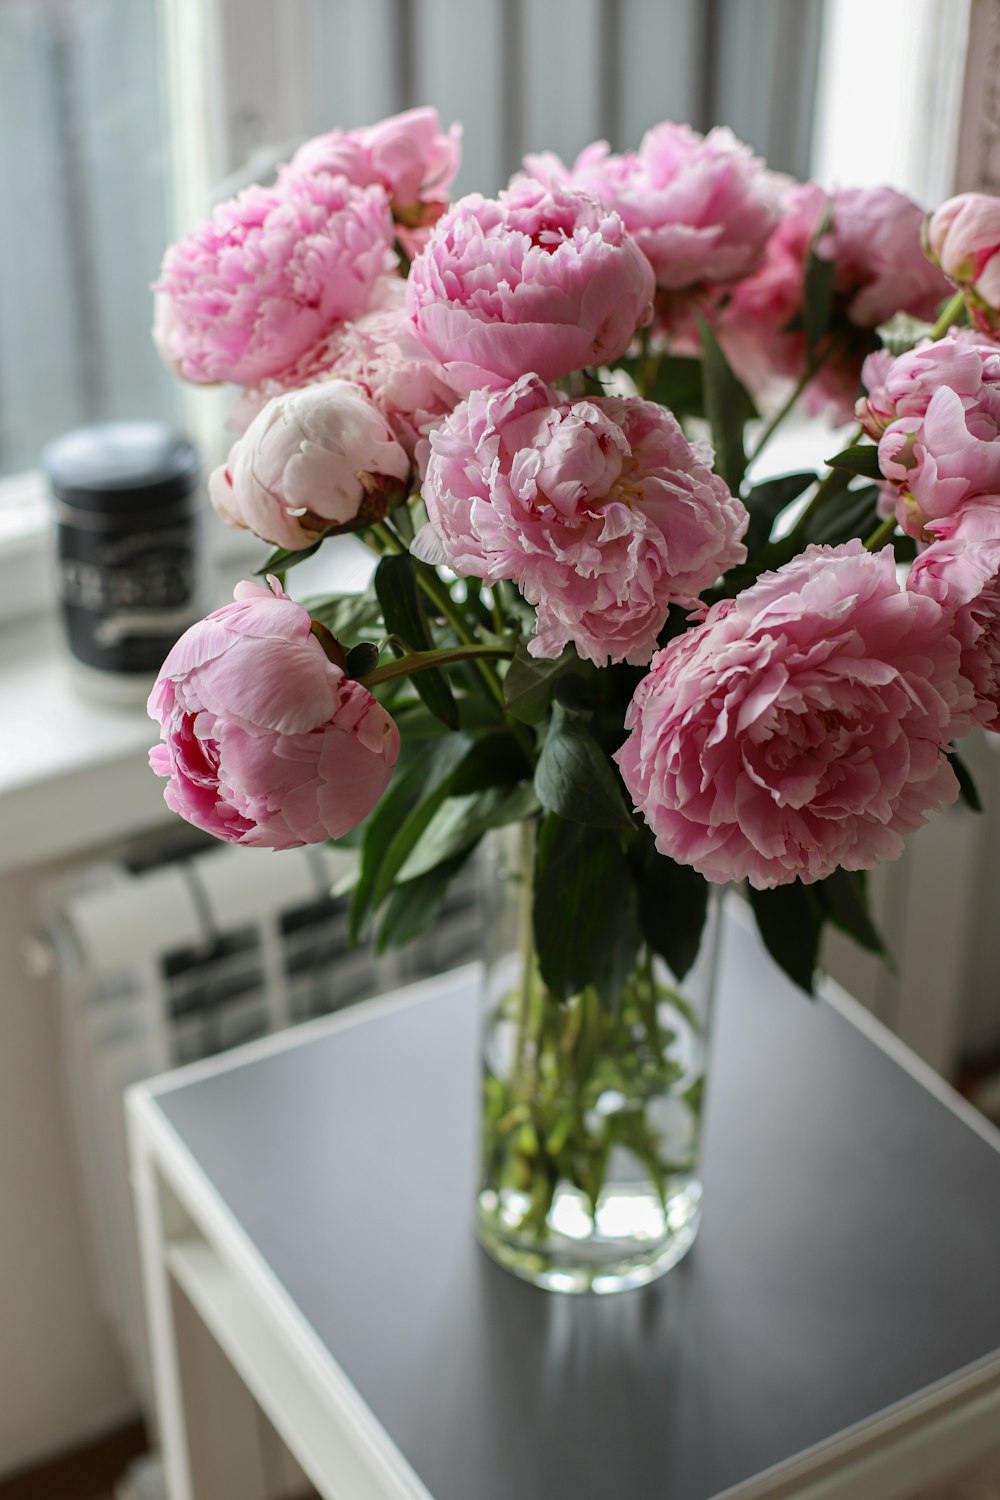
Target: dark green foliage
[(574, 777), (586, 923), (727, 406), (402, 611), (767, 500)]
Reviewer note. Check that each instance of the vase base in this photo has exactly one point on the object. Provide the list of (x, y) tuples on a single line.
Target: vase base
[(575, 1255)]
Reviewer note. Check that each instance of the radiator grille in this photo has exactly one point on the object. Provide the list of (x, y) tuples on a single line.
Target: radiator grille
[(168, 955)]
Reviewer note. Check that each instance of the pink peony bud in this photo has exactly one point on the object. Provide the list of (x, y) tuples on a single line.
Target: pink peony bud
[(272, 272), (700, 207), (963, 237), (600, 511), (539, 279), (313, 461), (961, 571), (946, 457), (800, 728), (902, 386), (265, 741)]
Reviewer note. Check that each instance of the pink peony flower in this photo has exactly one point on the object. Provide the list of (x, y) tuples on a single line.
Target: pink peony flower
[(265, 741), (313, 461), (701, 208), (539, 279), (273, 271), (408, 155), (963, 237), (942, 459), (880, 270), (961, 571), (600, 511), (902, 386), (378, 353), (801, 726)]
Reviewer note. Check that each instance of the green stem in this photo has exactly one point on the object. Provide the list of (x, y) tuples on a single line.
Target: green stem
[(525, 939), (439, 595), (881, 535), (811, 369), (424, 661), (949, 313), (799, 529)]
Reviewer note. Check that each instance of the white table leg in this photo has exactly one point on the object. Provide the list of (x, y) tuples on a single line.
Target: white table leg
[(167, 1387)]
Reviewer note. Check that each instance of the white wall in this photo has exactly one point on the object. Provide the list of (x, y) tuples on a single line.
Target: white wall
[(61, 1379)]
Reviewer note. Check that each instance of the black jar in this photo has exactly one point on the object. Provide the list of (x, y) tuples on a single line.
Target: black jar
[(129, 545)]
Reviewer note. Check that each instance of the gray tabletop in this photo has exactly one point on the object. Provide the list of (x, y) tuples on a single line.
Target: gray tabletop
[(848, 1254)]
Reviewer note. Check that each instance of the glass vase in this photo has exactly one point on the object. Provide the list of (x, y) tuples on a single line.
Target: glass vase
[(591, 1112)]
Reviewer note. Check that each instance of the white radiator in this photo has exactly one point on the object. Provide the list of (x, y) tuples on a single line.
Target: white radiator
[(159, 960)]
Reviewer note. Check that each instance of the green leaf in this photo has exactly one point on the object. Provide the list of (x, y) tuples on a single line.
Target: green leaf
[(728, 408), (676, 384), (790, 919), (530, 680), (494, 760), (967, 789), (844, 900), (362, 659), (460, 823), (416, 722), (413, 908), (673, 902), (859, 458), (402, 610), (585, 915), (458, 769), (767, 500), (848, 514), (424, 779), (817, 299), (282, 559), (346, 616), (574, 776)]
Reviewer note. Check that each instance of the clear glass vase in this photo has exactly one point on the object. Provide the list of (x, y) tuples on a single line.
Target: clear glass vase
[(591, 1113)]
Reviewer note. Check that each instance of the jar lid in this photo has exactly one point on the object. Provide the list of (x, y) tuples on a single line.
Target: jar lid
[(120, 466)]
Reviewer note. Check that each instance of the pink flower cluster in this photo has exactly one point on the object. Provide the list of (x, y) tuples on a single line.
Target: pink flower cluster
[(264, 740), (873, 240), (800, 726), (599, 510), (936, 414), (408, 155), (701, 208), (250, 294)]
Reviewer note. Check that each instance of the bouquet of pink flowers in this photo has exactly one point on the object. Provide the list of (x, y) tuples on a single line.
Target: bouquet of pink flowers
[(586, 613)]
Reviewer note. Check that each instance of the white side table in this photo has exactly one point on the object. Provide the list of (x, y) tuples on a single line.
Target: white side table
[(833, 1335)]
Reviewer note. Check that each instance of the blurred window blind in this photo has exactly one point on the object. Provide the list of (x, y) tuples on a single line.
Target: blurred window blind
[(83, 182), (86, 139)]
